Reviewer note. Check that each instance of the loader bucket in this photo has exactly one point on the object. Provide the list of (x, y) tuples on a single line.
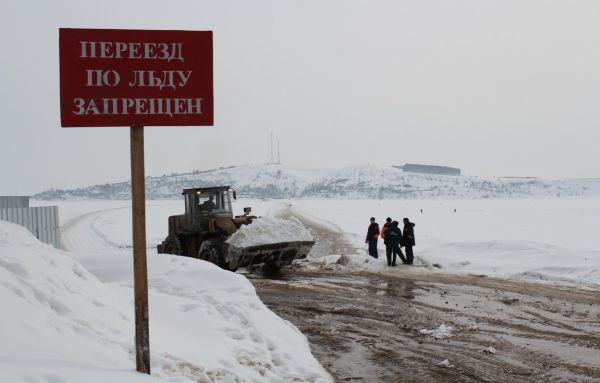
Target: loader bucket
[(279, 254)]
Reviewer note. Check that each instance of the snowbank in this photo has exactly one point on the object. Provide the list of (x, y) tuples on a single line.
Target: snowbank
[(63, 323), (267, 230), (59, 323)]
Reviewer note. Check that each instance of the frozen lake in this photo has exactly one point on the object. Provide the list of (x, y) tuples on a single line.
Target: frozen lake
[(546, 240)]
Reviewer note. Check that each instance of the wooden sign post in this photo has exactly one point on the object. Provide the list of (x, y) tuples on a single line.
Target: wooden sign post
[(140, 270), (136, 78)]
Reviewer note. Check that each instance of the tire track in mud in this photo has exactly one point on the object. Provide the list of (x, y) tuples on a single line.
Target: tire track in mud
[(363, 327)]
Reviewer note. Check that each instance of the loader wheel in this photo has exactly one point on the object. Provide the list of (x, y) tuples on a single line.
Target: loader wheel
[(174, 245), (270, 269), (211, 251)]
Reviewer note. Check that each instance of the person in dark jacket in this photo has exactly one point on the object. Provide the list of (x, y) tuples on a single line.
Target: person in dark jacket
[(372, 236), (394, 237), (408, 237), (384, 229), (209, 204)]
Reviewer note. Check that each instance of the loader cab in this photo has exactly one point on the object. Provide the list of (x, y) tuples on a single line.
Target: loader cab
[(202, 203)]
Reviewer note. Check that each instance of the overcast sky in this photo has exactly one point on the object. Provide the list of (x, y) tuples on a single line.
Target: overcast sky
[(493, 87)]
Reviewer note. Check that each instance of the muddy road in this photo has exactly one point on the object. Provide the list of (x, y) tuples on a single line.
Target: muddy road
[(364, 327)]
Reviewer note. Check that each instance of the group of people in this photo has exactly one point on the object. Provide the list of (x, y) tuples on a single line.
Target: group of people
[(394, 239)]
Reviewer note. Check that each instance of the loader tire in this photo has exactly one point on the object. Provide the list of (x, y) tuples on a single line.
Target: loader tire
[(270, 269), (173, 244), (211, 251)]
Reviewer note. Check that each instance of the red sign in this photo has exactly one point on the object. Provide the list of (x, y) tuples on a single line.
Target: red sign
[(111, 77)]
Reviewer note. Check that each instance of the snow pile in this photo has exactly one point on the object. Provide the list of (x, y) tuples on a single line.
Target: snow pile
[(490, 350), (69, 321), (59, 322), (445, 364), (266, 230), (441, 332)]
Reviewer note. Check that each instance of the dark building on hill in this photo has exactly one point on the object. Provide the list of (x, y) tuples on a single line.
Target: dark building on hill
[(429, 169)]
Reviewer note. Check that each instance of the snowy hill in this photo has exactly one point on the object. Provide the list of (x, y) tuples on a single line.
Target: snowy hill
[(279, 181)]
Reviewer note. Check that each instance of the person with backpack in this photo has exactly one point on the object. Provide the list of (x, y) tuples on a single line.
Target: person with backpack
[(394, 238), (384, 229), (408, 237), (372, 236)]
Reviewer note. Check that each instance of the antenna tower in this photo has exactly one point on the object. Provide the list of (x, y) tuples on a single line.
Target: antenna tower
[(271, 148)]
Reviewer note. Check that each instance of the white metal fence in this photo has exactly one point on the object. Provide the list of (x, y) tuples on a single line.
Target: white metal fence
[(41, 221), (13, 201)]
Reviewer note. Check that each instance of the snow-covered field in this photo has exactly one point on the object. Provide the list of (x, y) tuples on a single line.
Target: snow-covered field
[(543, 240), (71, 312)]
